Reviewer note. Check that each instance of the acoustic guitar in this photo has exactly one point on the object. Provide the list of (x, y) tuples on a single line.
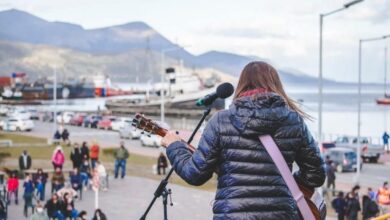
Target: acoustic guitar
[(313, 198)]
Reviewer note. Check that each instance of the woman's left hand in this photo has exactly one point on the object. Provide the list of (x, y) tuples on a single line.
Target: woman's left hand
[(170, 138)]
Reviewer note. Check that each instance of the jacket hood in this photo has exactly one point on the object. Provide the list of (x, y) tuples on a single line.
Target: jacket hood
[(262, 113)]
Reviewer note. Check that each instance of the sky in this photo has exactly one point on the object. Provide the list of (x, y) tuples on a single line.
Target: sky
[(285, 32)]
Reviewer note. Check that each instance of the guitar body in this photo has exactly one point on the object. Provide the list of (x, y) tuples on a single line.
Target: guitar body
[(315, 201)]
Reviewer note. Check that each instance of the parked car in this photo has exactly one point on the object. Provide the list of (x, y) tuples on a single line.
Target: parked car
[(4, 110), (65, 117), (91, 121), (1, 125), (106, 122), (344, 159), (19, 113), (120, 123), (129, 132), (77, 120), (150, 140), (18, 124), (34, 115), (369, 152)]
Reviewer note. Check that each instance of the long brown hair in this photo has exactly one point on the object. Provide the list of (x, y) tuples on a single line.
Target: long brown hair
[(260, 74)]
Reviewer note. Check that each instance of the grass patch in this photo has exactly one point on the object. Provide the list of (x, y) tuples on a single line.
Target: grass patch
[(20, 138)]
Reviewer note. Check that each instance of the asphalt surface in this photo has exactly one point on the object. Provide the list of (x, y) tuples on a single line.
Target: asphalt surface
[(128, 198)]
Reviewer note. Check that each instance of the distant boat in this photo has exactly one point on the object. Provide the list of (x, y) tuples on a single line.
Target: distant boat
[(383, 101)]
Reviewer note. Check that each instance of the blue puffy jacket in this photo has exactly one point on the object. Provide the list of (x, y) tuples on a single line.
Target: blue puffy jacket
[(249, 184)]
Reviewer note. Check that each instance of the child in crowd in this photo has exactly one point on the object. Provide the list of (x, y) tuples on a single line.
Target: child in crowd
[(12, 187), (28, 195)]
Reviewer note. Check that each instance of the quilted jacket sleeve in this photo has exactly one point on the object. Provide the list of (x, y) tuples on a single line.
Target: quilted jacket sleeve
[(197, 168), (311, 165)]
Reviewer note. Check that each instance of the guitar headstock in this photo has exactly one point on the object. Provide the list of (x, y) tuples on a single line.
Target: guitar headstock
[(148, 125)]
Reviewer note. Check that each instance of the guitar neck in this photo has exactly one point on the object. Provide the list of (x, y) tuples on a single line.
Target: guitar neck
[(163, 132)]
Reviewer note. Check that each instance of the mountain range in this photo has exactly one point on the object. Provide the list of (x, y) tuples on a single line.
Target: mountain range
[(32, 44)]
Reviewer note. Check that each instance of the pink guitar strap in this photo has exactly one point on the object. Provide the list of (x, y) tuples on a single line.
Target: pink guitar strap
[(281, 164)]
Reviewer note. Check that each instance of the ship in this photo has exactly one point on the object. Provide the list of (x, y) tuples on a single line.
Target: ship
[(181, 92), (18, 88)]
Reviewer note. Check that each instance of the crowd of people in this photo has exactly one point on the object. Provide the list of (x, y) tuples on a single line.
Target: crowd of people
[(64, 191), (373, 203), (349, 205)]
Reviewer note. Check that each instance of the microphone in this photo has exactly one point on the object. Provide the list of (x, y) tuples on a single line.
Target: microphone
[(223, 91)]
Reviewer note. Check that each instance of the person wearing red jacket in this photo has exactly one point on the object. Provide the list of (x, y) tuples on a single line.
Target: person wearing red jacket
[(12, 187), (94, 154)]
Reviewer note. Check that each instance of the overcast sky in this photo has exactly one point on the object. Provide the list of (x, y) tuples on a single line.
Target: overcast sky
[(283, 31)]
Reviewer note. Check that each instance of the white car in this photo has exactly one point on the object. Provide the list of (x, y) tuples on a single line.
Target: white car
[(4, 110), (119, 123), (18, 124), (129, 132), (150, 140), (1, 125), (65, 117), (19, 113)]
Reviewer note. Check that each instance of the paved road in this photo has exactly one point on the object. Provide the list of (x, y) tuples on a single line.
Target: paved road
[(128, 198)]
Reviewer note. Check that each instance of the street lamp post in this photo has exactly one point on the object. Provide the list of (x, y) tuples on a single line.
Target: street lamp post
[(361, 41), (55, 99), (320, 86)]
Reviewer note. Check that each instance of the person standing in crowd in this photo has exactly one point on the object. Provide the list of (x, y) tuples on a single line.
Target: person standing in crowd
[(121, 155), (94, 154), (76, 156), (84, 151), (77, 181), (65, 136), (82, 215), (39, 213), (370, 208), (85, 172), (58, 158), (68, 209), (54, 208), (99, 215), (353, 205), (57, 137), (57, 180), (339, 205), (161, 164), (40, 184), (330, 176), (28, 194), (101, 171), (3, 211), (24, 161), (383, 197), (12, 188), (385, 139), (230, 143), (371, 194)]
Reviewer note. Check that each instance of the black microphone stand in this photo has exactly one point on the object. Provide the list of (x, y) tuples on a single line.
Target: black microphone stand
[(162, 187)]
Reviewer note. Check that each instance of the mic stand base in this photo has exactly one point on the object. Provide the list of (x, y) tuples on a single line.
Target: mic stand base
[(161, 189)]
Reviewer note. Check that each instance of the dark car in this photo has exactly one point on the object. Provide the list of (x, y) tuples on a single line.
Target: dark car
[(344, 159), (91, 121)]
